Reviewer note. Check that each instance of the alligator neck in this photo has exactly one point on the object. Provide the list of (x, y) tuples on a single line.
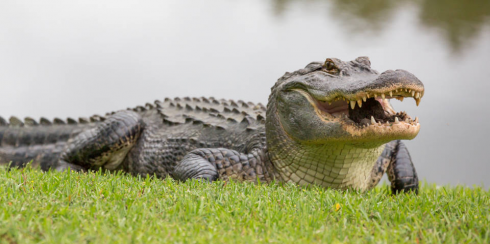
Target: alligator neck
[(337, 165)]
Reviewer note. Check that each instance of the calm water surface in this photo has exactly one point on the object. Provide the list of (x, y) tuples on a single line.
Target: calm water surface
[(79, 58)]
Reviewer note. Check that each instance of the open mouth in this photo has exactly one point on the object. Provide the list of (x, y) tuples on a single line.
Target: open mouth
[(365, 109)]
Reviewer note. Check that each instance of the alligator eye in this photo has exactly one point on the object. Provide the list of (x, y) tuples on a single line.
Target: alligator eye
[(364, 60), (329, 65)]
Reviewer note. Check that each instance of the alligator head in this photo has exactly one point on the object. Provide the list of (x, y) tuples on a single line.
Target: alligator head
[(345, 102)]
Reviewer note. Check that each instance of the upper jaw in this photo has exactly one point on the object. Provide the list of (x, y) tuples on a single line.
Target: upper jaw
[(357, 89), (342, 100)]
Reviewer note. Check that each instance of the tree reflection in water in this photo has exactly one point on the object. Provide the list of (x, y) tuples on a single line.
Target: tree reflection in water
[(458, 21)]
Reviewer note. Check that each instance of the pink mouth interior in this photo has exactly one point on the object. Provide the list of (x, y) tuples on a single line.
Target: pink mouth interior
[(336, 108), (373, 108), (341, 107)]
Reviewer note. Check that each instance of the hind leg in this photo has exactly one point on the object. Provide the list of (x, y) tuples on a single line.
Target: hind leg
[(63, 166), (104, 146)]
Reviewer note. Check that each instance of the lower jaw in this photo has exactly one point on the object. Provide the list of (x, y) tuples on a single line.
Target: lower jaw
[(375, 135), (375, 131), (368, 136)]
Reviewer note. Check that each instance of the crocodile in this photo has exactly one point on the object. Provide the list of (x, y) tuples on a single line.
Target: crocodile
[(329, 124)]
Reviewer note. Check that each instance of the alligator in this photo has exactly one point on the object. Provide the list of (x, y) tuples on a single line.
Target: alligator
[(329, 124)]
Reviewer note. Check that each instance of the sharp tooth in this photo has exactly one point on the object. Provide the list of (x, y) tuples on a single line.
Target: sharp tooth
[(352, 104), (367, 95), (391, 93), (417, 101), (396, 120), (417, 95), (387, 123), (407, 120), (406, 90), (375, 95), (373, 121), (383, 96), (416, 120), (400, 98), (359, 102), (379, 123), (364, 99), (413, 93)]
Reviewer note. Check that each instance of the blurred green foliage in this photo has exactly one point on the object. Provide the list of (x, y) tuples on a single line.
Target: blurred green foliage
[(458, 21)]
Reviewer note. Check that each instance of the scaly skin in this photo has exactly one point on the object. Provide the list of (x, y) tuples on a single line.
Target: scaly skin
[(308, 134)]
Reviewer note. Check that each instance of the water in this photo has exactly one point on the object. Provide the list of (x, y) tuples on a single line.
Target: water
[(79, 58)]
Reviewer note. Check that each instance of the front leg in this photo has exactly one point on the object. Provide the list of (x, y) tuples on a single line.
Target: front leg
[(105, 145), (397, 163), (220, 163), (401, 171)]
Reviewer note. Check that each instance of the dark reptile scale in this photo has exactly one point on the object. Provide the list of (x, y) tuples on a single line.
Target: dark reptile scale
[(173, 128)]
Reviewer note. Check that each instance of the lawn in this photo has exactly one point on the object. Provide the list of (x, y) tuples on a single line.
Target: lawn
[(53, 207)]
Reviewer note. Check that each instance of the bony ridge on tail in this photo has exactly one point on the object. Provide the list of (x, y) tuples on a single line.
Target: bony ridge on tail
[(328, 124)]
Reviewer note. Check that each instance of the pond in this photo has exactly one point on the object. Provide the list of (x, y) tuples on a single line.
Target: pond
[(71, 59)]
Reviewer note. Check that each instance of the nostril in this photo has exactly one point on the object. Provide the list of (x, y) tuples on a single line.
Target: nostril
[(388, 71)]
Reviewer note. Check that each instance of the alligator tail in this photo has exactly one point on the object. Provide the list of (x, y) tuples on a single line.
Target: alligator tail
[(40, 142)]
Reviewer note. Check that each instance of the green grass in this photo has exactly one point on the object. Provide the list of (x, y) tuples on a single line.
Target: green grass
[(68, 207)]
